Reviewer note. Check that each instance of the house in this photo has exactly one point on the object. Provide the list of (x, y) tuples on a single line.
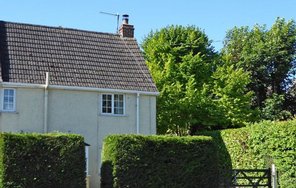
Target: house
[(69, 80)]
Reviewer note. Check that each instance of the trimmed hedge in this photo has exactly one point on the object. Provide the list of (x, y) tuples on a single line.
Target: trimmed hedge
[(42, 160), (159, 161), (258, 146)]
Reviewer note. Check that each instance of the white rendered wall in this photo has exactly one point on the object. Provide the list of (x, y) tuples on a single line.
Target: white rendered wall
[(79, 112)]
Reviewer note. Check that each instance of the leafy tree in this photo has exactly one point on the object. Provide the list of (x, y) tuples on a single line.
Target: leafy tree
[(269, 56), (180, 60), (290, 99), (231, 96), (224, 101), (273, 108), (196, 90)]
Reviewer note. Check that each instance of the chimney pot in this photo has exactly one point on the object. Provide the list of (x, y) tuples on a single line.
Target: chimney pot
[(125, 19), (125, 29)]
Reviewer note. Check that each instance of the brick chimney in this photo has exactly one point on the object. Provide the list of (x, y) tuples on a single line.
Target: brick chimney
[(125, 29)]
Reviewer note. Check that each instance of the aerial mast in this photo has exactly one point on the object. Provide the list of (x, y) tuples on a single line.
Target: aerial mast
[(113, 14)]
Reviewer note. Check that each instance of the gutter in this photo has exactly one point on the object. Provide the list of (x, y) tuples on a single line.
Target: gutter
[(45, 128), (75, 88)]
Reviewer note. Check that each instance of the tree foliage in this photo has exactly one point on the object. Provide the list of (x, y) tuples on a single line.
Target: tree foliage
[(273, 108), (269, 55), (197, 91), (201, 89), (290, 99)]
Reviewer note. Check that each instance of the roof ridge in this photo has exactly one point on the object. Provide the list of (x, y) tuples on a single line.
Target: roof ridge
[(59, 27)]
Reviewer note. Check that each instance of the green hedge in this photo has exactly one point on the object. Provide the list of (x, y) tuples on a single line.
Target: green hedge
[(159, 161), (43, 161), (258, 146)]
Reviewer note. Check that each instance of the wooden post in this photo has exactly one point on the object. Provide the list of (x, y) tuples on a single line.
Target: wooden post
[(273, 176)]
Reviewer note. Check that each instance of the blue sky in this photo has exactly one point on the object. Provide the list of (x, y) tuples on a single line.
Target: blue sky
[(215, 17)]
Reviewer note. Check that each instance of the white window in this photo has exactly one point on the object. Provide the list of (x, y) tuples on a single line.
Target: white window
[(118, 104), (8, 100), (107, 104), (113, 104)]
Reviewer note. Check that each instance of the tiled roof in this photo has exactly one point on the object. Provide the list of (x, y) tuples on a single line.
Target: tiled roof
[(72, 58)]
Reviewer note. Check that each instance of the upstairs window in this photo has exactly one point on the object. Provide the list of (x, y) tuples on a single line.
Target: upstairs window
[(8, 100), (113, 104), (118, 104), (107, 104)]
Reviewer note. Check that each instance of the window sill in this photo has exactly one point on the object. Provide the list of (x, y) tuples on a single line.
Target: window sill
[(113, 115), (8, 112)]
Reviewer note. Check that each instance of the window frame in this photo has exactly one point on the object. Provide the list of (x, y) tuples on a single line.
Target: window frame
[(113, 106), (3, 102)]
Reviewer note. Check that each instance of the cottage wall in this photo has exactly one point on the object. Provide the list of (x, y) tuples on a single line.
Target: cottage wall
[(79, 112)]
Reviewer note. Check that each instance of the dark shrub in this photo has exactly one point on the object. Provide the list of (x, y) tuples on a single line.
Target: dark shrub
[(42, 160), (159, 161)]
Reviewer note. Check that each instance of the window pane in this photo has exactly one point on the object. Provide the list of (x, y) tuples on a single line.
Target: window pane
[(5, 99), (5, 106), (106, 103), (109, 110), (118, 104), (110, 101), (104, 109), (10, 92), (6, 91), (118, 110), (8, 99), (10, 106)]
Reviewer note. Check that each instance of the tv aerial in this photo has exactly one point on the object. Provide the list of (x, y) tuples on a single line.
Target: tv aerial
[(113, 14)]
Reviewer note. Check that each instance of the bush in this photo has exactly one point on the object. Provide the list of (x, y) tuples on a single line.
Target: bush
[(159, 161), (43, 161), (258, 146), (274, 109)]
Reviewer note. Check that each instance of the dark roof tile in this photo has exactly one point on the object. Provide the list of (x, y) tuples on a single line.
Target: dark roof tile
[(72, 57)]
